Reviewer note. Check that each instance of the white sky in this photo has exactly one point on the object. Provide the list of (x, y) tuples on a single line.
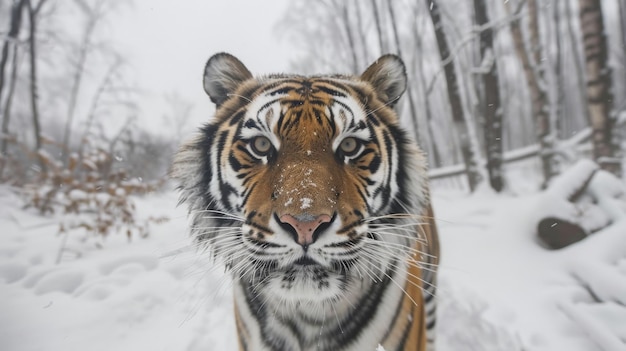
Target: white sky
[(168, 42)]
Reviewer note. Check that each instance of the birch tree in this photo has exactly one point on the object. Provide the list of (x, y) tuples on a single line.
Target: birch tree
[(541, 113), (534, 79), (599, 94), (454, 96), (578, 65)]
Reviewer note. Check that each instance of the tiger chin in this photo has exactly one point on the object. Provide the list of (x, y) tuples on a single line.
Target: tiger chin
[(316, 200)]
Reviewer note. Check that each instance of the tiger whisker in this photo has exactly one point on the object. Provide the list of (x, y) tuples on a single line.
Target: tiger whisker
[(400, 246), (398, 265), (391, 279), (422, 265), (392, 216)]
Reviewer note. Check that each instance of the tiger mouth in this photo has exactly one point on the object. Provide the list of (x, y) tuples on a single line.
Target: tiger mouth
[(307, 264), (306, 261)]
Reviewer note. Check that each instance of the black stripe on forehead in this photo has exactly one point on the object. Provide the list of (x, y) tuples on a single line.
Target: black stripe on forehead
[(329, 91), (284, 124), (265, 106)]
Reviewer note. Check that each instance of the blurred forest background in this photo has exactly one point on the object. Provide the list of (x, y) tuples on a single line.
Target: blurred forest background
[(494, 86)]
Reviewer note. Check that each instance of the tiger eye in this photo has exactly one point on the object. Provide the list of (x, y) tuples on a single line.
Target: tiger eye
[(349, 146), (261, 145)]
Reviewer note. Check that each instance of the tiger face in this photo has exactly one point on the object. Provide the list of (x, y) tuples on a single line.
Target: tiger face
[(305, 187)]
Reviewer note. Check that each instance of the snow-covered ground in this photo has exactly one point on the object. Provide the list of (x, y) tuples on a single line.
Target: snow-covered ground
[(499, 289)]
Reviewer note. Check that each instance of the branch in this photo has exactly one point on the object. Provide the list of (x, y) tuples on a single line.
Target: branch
[(477, 30)]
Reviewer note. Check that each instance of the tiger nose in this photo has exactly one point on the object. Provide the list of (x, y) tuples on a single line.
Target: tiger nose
[(306, 229)]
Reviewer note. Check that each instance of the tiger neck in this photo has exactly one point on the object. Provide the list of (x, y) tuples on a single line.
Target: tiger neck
[(360, 320)]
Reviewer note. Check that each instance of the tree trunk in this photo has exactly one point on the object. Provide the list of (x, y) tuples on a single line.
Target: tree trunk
[(418, 64), (11, 40), (556, 17), (605, 147), (7, 111), (534, 79), (409, 95), (454, 96), (622, 21), (32, 43), (541, 105), (576, 53), (379, 29), (92, 21), (361, 31), (350, 37), (492, 108)]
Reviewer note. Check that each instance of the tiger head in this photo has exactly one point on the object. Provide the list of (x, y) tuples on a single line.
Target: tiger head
[(304, 186)]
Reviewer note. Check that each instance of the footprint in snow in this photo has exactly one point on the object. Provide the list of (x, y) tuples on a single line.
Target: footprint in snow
[(129, 264), (59, 280), (12, 272)]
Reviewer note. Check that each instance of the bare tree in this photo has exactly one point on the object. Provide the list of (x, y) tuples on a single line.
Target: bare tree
[(379, 30), (10, 42), (33, 11), (622, 21), (93, 16), (558, 70), (96, 101), (536, 84), (409, 94), (349, 36), (180, 113), (361, 31), (576, 58), (11, 38), (454, 96), (599, 94), (492, 108)]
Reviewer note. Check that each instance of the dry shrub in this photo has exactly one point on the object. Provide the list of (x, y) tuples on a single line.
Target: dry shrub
[(90, 194)]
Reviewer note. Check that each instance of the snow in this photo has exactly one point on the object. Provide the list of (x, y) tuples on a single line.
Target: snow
[(306, 203), (498, 288)]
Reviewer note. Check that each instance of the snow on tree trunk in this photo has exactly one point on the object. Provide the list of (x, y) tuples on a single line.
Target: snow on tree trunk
[(541, 106), (599, 94), (454, 96), (492, 108), (558, 69), (533, 72)]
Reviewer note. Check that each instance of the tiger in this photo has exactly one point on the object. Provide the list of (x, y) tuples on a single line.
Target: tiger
[(316, 201)]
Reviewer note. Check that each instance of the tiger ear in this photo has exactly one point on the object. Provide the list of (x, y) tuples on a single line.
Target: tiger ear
[(223, 73), (388, 77)]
